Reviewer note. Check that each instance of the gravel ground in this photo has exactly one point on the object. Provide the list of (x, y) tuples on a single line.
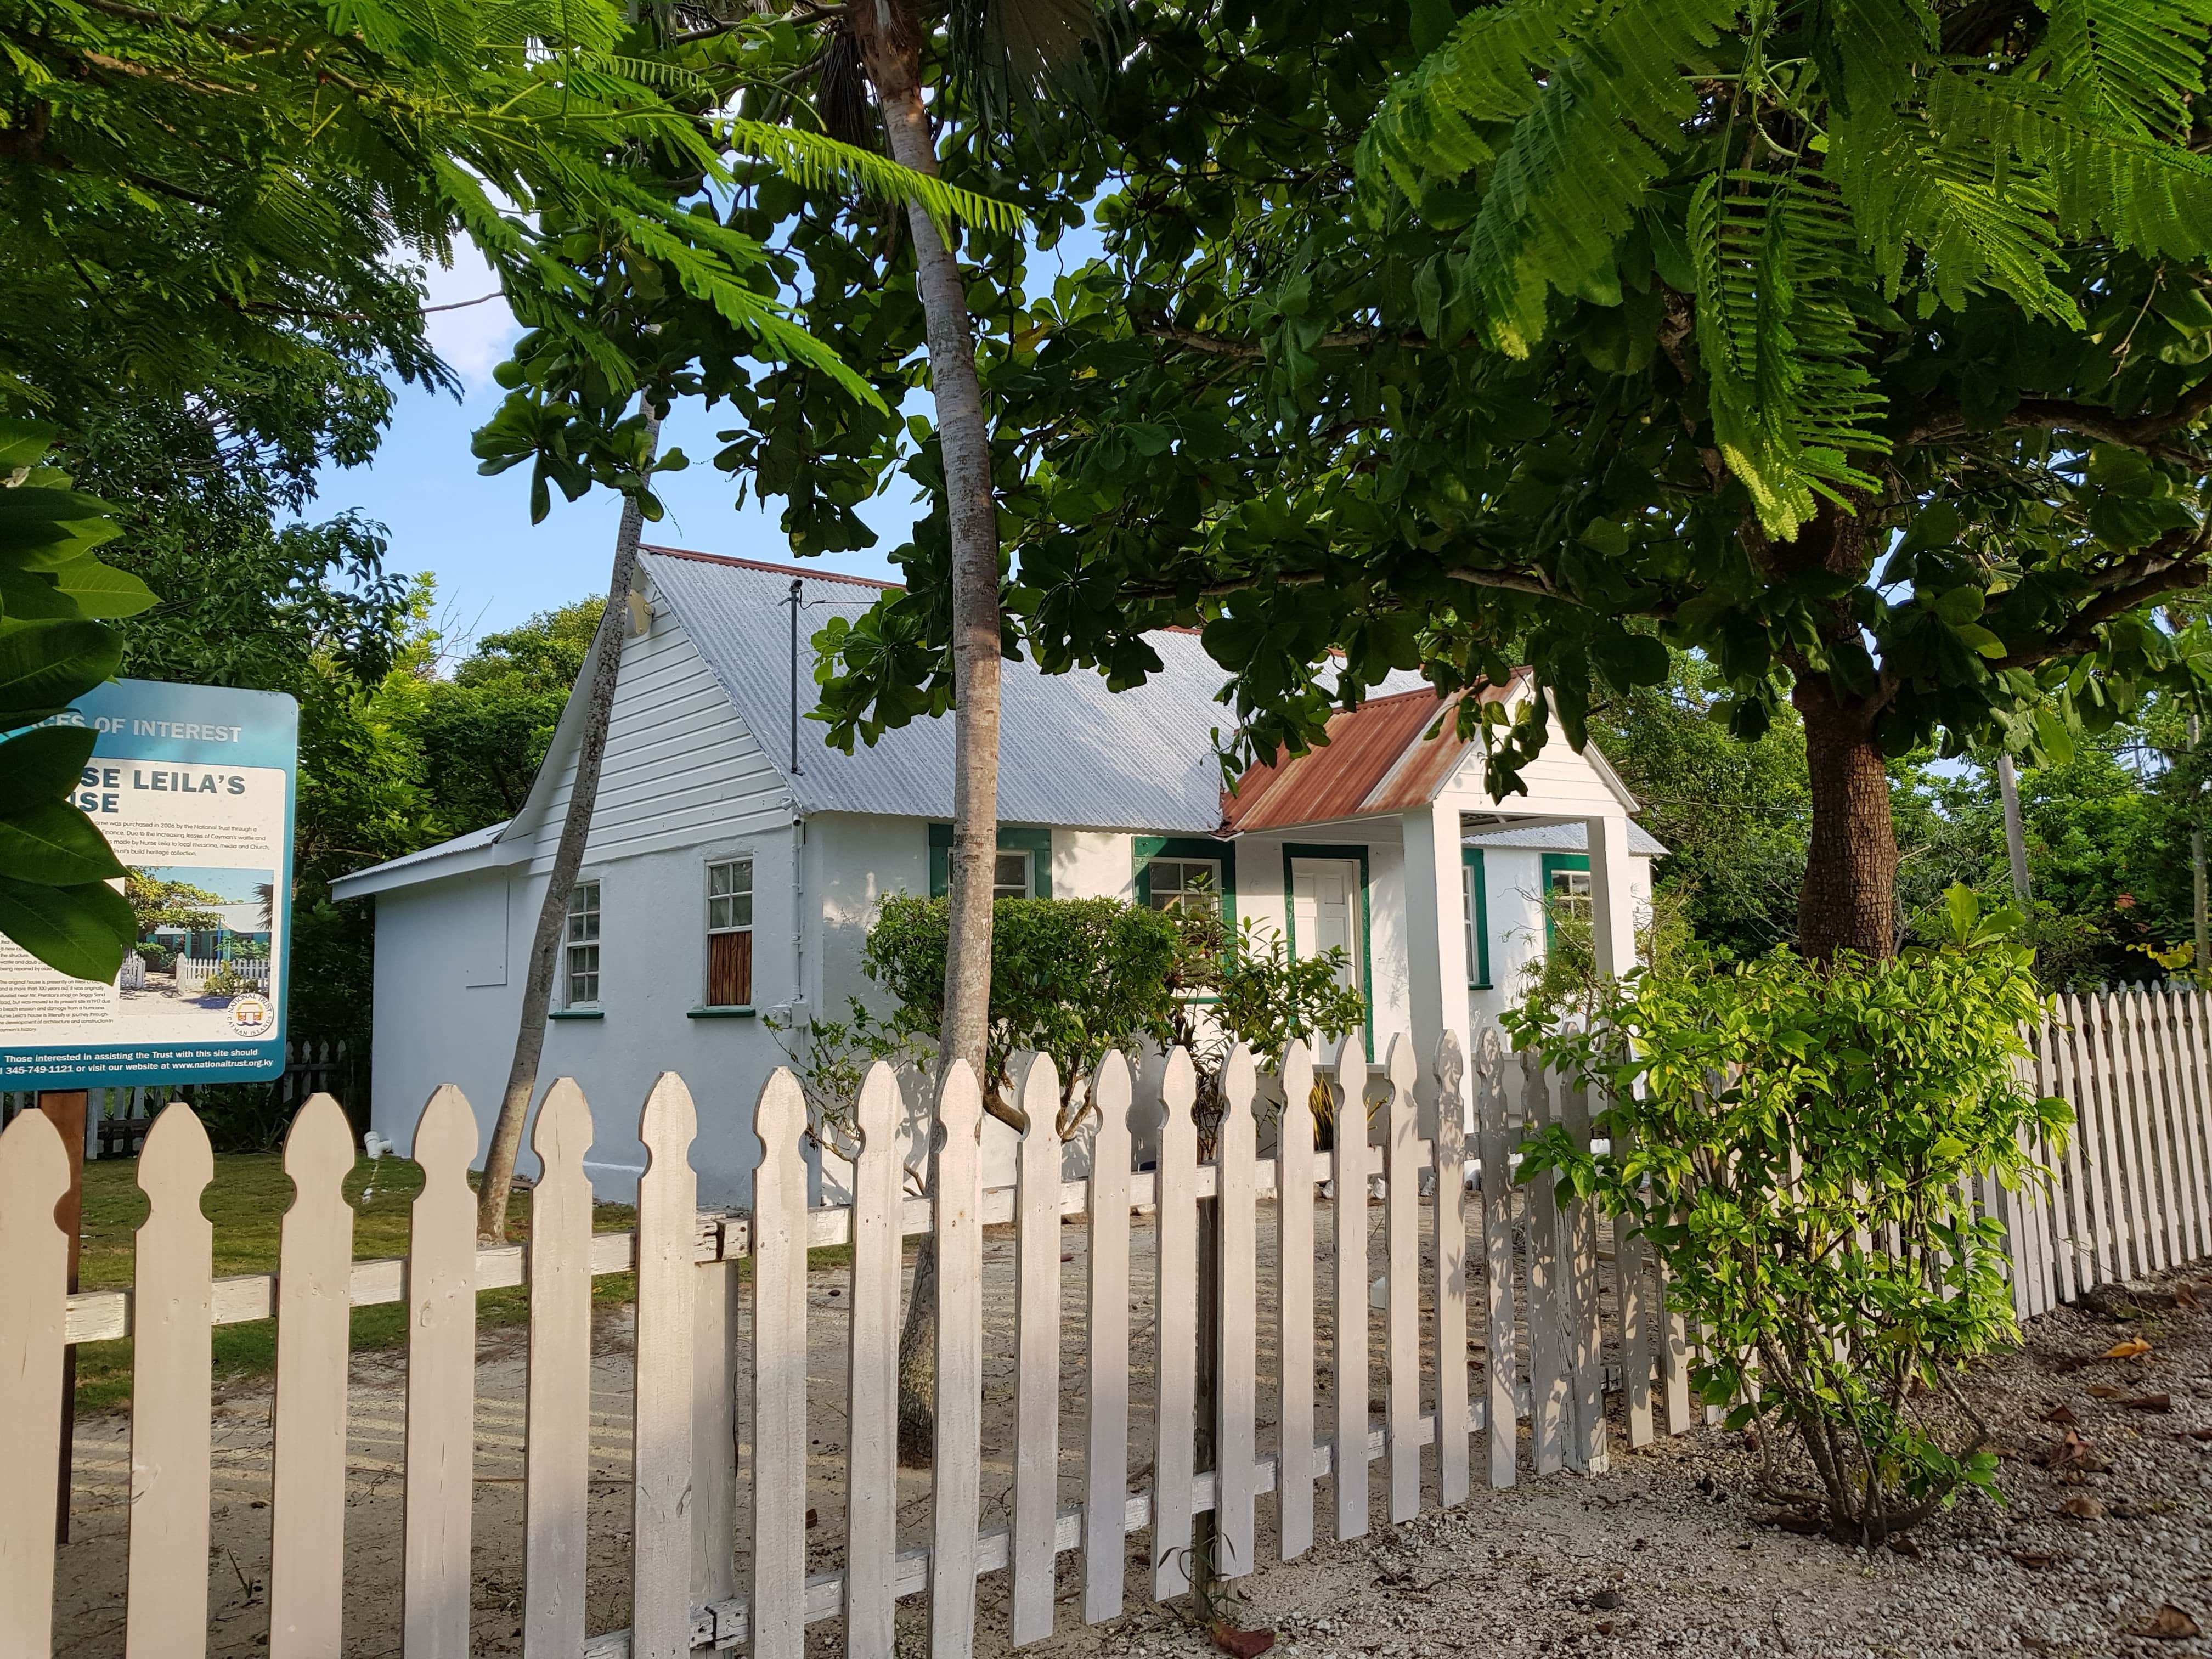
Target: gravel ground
[(1673, 1552)]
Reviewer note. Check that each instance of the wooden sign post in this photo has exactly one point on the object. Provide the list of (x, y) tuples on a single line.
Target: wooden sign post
[(65, 1110)]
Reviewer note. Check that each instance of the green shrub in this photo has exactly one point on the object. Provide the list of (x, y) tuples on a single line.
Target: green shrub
[(1070, 978), (226, 982), (158, 958), (1788, 1114)]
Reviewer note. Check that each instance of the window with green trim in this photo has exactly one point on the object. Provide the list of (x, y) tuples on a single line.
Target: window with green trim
[(1176, 872), (1022, 870), (1475, 899), (1566, 888)]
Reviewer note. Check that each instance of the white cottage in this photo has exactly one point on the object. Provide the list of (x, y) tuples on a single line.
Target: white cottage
[(735, 862)]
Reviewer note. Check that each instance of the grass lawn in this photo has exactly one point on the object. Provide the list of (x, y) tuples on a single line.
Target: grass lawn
[(247, 1201)]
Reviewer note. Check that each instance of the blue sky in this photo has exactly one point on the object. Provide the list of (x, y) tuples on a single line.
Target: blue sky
[(493, 567)]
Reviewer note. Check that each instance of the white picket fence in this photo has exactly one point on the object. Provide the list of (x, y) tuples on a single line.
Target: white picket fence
[(1507, 1265), (2131, 1191), (720, 1547), (194, 972)]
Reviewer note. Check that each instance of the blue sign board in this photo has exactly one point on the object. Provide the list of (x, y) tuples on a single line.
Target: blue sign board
[(192, 786)]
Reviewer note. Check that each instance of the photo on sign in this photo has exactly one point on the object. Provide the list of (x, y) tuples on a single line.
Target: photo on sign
[(205, 940)]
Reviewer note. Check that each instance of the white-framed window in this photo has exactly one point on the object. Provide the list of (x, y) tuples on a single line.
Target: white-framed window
[(730, 934), (1570, 892), (1013, 876), (1184, 884), (581, 952)]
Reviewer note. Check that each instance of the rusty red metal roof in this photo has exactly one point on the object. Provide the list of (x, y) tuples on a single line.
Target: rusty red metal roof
[(1378, 757)]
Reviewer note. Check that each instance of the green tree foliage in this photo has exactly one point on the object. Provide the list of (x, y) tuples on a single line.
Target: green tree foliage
[(155, 902), (1786, 1113), (196, 190), (484, 732), (1070, 978), (1859, 347), (1263, 997)]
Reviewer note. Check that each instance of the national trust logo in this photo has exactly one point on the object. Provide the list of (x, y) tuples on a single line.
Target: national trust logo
[(253, 1015)]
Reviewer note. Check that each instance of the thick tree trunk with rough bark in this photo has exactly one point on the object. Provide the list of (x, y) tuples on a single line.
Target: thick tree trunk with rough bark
[(1848, 900), (568, 859), (890, 35)]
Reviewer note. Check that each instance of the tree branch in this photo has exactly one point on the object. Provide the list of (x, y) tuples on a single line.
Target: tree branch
[(1215, 345), (2145, 432), (2124, 589)]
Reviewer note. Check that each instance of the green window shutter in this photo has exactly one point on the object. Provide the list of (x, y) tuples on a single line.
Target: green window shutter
[(940, 860), (1478, 962), (1038, 843)]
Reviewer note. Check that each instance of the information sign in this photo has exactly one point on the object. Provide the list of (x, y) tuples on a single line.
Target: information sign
[(192, 786)]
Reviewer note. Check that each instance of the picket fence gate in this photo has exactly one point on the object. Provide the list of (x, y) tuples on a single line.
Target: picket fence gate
[(2131, 1190), (1503, 1259)]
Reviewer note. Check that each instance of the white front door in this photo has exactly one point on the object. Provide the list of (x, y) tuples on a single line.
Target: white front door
[(1325, 913)]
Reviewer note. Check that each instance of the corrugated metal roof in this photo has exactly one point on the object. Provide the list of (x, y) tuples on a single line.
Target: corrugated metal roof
[(1379, 758), (1572, 836), (1071, 753), (470, 842)]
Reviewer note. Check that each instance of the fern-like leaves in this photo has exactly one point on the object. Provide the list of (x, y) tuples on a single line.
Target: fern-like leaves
[(1792, 398), (1597, 97)]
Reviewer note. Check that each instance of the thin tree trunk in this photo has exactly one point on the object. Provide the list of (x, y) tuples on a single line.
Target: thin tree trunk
[(568, 859), (890, 36), (1848, 900), (2015, 837)]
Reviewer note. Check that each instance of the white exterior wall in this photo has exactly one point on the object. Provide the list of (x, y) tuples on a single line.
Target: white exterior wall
[(436, 1021), (685, 785)]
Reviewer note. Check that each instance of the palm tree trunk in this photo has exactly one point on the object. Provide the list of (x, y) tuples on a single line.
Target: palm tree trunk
[(568, 859), (890, 36)]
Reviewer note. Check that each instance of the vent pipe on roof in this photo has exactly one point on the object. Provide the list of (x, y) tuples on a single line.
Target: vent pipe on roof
[(797, 585)]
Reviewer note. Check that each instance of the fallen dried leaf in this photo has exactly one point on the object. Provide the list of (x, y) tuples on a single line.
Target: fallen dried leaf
[(2150, 1402), (2034, 1560), (2075, 1454), (2169, 1624), (2083, 1508), (1244, 1643), (2128, 1350), (2060, 1414), (2185, 1295), (2105, 1391)]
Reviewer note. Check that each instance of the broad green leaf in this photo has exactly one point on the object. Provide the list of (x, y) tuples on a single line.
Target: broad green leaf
[(82, 931), (102, 590), (30, 596), (46, 666), (42, 765), (54, 844), (34, 519), (22, 442), (2052, 738)]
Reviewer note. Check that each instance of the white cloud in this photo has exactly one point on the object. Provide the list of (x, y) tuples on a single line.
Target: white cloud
[(475, 338)]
